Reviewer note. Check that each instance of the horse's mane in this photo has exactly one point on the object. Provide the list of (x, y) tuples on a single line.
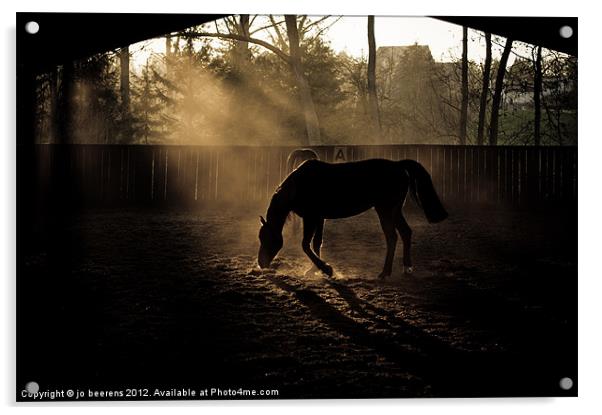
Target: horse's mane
[(280, 202)]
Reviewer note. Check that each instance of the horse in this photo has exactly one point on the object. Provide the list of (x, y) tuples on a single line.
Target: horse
[(298, 156), (294, 160), (318, 190)]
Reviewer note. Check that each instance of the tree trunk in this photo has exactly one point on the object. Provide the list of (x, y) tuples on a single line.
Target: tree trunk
[(310, 116), (168, 45), (464, 107), (537, 98), (484, 90), (168, 55), (53, 110), (372, 94), (124, 87), (64, 105), (240, 52), (497, 93)]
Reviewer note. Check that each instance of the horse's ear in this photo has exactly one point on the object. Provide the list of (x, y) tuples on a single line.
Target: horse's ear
[(262, 220)]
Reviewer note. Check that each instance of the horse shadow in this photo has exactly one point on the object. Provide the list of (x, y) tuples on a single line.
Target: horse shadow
[(448, 371)]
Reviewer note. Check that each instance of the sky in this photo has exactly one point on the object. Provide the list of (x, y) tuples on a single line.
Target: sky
[(350, 34)]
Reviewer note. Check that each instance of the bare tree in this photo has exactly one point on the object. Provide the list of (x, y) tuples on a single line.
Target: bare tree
[(372, 94), (537, 98), (497, 93), (124, 87), (168, 50), (312, 124), (484, 90), (464, 104), (241, 54), (53, 110), (65, 104)]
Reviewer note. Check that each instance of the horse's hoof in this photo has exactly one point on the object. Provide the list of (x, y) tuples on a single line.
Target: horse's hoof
[(408, 269), (327, 269), (310, 272)]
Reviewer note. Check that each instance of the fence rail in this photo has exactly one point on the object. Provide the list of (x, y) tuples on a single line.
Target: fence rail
[(189, 175)]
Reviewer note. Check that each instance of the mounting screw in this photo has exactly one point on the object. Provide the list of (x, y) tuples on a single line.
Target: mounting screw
[(566, 383), (566, 32), (32, 387), (32, 27)]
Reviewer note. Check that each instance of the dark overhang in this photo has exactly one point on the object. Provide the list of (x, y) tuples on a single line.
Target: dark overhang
[(541, 31), (68, 36), (65, 37)]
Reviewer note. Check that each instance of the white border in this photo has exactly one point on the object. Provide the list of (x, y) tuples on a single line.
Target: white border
[(590, 151)]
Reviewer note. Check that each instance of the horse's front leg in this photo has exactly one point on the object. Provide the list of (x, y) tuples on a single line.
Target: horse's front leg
[(311, 226)]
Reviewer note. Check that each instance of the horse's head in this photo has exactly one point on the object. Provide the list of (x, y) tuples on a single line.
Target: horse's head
[(270, 240)]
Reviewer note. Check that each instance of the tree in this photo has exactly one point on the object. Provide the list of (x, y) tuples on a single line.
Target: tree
[(146, 106), (464, 104), (124, 86), (65, 104), (484, 90), (168, 52), (560, 98), (312, 124), (372, 94), (537, 84), (497, 92), (353, 114), (295, 28), (242, 54), (99, 117), (409, 95), (193, 103)]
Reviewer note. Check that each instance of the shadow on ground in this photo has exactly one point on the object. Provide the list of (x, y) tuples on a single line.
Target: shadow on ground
[(135, 298)]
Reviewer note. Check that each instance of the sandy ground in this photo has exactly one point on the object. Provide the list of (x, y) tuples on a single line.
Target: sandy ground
[(149, 297)]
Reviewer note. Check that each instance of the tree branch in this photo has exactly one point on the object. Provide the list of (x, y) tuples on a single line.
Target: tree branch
[(325, 28), (252, 20), (271, 25), (277, 30), (241, 38), (305, 29)]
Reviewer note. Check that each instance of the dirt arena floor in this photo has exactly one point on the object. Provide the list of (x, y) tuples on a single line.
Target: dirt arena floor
[(140, 298)]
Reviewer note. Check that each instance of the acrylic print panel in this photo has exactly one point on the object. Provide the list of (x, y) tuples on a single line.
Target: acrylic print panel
[(147, 154)]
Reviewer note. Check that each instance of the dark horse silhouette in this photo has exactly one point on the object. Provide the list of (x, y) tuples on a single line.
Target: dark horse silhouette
[(294, 160), (317, 190)]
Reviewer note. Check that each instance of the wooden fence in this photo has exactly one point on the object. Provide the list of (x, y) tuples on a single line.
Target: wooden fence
[(108, 175)]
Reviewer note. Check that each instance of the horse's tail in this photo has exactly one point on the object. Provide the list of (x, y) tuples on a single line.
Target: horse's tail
[(423, 192)]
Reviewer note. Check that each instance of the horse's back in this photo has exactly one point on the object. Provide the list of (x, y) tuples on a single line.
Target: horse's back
[(371, 170), (346, 189)]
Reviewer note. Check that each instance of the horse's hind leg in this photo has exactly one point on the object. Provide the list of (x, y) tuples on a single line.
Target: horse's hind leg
[(406, 236), (317, 240), (310, 226), (316, 244), (385, 215)]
